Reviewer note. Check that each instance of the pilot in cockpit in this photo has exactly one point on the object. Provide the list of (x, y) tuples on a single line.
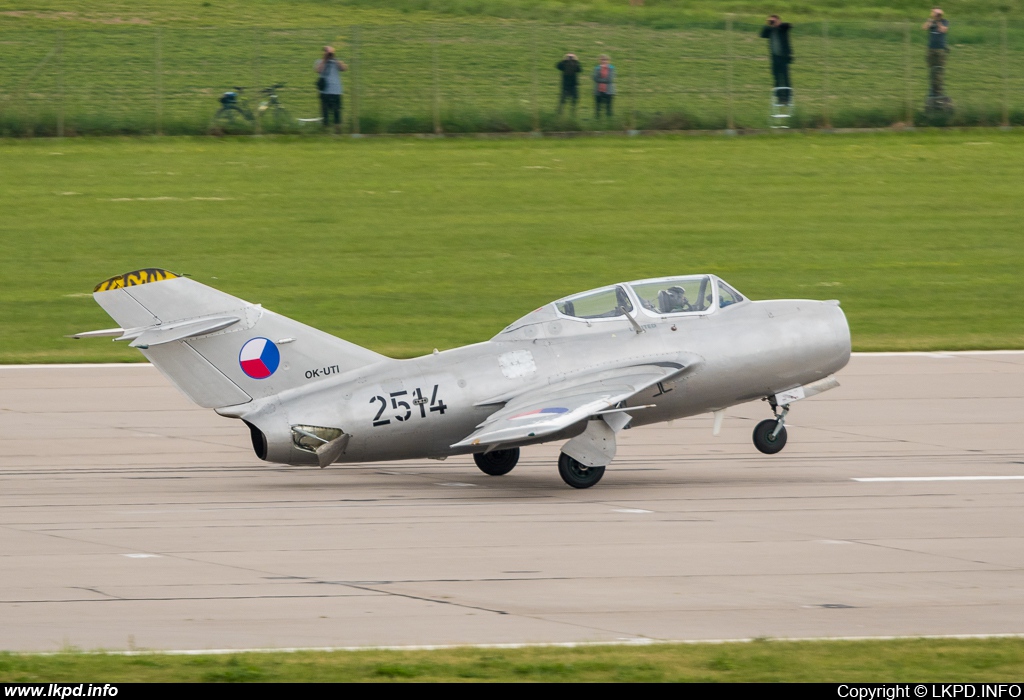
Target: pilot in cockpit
[(673, 300)]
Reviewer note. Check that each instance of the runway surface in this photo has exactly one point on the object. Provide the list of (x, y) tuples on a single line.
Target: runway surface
[(130, 519)]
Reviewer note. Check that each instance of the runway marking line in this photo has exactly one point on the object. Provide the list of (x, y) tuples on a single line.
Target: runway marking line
[(629, 642), (77, 365), (936, 478)]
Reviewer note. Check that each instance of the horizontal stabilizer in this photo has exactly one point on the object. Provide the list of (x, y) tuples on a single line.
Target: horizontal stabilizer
[(105, 333), (158, 335), (161, 333)]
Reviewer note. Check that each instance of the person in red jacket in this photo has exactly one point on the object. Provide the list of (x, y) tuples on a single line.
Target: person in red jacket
[(604, 86)]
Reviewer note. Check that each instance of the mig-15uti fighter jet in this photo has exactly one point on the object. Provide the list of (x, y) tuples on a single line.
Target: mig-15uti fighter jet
[(578, 370)]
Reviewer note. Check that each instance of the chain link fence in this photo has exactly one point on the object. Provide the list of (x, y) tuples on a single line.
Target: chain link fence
[(467, 77)]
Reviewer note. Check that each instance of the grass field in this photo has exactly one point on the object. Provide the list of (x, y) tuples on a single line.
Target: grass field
[(658, 13), (959, 661), (148, 68), (409, 244)]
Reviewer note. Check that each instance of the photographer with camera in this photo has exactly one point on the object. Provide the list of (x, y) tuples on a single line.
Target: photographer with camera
[(777, 33), (328, 84), (936, 26), (570, 69)]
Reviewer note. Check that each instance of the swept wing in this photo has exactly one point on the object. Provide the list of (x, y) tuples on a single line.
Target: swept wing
[(546, 410)]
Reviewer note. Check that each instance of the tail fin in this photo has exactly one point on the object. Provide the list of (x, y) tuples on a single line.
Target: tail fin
[(218, 349)]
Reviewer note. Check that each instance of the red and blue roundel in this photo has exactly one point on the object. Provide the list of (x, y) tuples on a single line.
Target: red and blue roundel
[(259, 358)]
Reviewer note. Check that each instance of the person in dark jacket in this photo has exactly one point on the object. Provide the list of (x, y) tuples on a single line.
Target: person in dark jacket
[(777, 33), (571, 69)]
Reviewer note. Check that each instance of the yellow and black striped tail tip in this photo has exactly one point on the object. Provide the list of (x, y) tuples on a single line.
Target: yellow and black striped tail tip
[(130, 279)]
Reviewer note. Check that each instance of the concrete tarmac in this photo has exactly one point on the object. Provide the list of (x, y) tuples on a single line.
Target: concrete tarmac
[(131, 519)]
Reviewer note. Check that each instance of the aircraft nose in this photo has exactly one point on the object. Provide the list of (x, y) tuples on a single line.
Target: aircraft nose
[(841, 345)]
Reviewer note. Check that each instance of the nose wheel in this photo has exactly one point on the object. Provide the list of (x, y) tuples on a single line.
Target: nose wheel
[(770, 435)]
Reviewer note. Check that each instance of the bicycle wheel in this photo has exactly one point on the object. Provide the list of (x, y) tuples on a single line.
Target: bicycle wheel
[(279, 120), (230, 118)]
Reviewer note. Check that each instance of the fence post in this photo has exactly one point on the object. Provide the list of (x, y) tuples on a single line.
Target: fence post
[(159, 83), (256, 77), (634, 83), (908, 98), (435, 63), (730, 119), (1006, 72), (356, 72), (534, 108), (60, 82), (826, 116)]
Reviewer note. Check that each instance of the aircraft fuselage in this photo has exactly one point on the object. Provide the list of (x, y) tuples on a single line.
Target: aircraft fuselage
[(417, 408)]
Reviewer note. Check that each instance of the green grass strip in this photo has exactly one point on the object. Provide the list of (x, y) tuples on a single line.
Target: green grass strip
[(404, 245), (904, 660)]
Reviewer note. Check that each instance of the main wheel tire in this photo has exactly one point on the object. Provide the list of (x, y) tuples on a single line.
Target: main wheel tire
[(763, 439), (576, 474), (497, 462)]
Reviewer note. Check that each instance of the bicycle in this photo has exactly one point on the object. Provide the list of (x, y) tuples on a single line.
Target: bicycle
[(235, 110)]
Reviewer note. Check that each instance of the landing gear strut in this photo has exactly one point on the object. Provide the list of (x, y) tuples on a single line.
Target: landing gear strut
[(576, 474), (770, 435), (497, 462)]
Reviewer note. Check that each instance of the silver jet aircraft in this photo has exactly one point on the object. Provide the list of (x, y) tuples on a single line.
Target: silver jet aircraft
[(578, 370)]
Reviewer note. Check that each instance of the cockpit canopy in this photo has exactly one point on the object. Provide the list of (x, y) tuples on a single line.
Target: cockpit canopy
[(657, 298), (665, 296)]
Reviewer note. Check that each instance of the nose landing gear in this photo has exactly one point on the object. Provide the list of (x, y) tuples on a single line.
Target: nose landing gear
[(770, 435)]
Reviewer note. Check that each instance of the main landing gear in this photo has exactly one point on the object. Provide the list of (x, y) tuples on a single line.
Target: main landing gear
[(576, 474), (770, 435), (573, 472), (497, 462), (583, 459)]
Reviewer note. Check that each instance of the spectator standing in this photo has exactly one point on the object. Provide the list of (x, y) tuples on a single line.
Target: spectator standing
[(604, 86), (936, 26), (329, 68), (777, 33), (571, 69)]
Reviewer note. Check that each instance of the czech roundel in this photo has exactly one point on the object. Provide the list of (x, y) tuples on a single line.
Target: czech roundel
[(259, 358)]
